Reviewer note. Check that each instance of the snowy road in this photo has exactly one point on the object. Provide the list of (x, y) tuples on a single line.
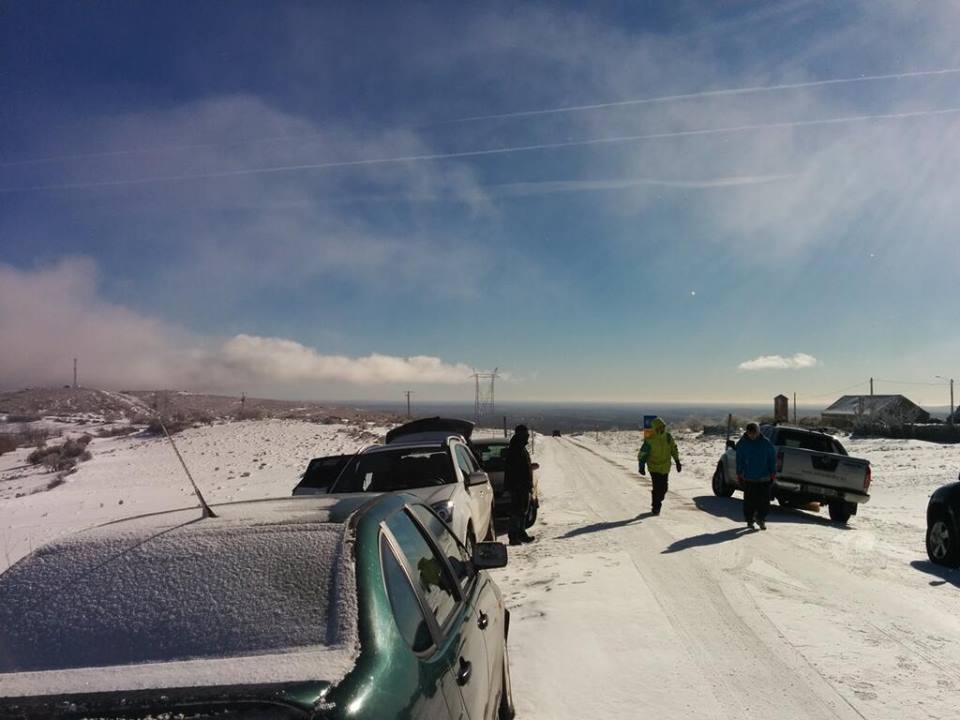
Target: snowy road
[(617, 613)]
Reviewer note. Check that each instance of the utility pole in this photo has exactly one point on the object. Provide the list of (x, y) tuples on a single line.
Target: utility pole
[(74, 372), (408, 393), (794, 408), (952, 410), (871, 387)]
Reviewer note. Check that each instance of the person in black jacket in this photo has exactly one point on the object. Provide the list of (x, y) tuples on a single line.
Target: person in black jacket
[(518, 480)]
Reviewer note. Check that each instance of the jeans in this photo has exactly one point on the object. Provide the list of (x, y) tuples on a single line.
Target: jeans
[(756, 500)]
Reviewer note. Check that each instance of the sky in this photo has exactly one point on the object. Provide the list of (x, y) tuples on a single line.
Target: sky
[(669, 201)]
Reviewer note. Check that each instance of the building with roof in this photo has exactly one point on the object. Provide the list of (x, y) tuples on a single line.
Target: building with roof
[(888, 410)]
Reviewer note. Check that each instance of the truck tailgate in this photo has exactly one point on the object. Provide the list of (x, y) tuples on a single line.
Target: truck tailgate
[(827, 469)]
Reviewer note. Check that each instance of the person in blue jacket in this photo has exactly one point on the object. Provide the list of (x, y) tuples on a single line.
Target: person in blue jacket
[(756, 471)]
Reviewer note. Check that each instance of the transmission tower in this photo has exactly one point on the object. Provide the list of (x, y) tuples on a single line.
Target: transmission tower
[(484, 403)]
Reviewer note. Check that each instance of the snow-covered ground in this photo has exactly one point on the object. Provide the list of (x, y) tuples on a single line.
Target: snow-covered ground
[(617, 614)]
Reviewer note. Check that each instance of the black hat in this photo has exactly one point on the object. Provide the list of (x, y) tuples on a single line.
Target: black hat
[(521, 430)]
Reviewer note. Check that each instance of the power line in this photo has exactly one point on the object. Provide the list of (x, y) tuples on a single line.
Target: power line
[(427, 157), (908, 382), (837, 392)]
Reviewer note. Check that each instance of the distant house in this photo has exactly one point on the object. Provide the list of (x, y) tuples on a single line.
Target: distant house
[(890, 410)]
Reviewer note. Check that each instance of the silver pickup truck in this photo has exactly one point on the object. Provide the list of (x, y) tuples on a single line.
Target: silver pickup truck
[(812, 466)]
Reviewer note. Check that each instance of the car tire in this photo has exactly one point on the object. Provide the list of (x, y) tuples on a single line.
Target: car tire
[(491, 535), (942, 545), (839, 511), (532, 514), (506, 710), (471, 540), (720, 486)]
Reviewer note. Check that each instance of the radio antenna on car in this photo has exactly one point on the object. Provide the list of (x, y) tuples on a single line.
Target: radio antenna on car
[(207, 512)]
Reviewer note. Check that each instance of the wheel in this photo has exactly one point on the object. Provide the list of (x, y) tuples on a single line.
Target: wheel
[(839, 511), (720, 486), (532, 514), (491, 535), (506, 711), (471, 540), (942, 542)]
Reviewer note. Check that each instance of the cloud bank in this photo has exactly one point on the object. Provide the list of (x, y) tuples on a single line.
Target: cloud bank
[(51, 315)]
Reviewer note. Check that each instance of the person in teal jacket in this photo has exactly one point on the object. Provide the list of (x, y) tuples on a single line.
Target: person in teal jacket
[(657, 452)]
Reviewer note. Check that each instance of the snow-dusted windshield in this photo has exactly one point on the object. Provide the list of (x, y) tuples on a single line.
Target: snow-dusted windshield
[(392, 470)]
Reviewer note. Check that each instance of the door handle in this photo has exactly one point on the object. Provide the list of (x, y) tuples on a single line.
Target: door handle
[(466, 670), (483, 620)]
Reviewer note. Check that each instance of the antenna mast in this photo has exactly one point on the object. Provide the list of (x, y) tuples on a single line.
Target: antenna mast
[(207, 512)]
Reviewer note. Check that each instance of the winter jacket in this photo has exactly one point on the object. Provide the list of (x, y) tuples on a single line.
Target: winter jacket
[(658, 449), (756, 459), (518, 475)]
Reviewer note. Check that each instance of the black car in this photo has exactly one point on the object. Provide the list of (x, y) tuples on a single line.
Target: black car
[(943, 525)]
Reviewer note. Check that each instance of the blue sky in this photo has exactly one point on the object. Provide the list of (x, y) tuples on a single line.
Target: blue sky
[(342, 201)]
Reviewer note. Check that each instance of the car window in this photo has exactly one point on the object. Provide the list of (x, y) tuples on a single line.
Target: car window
[(806, 441), (447, 542), (465, 461), (403, 600), (393, 470), (492, 457), (430, 572)]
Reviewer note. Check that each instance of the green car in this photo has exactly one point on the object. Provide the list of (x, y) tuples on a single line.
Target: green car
[(329, 607)]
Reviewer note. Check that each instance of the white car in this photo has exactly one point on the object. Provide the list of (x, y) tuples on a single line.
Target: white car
[(429, 458)]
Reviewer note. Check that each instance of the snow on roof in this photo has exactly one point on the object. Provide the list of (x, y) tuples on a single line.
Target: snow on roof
[(852, 404), (181, 603)]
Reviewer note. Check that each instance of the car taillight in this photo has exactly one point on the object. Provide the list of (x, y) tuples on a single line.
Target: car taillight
[(779, 460), (867, 478)]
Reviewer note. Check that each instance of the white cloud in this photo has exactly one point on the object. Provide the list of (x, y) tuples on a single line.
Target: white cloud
[(799, 361), (50, 315), (287, 360)]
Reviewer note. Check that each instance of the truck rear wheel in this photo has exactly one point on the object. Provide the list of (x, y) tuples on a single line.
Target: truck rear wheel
[(720, 486), (840, 511)]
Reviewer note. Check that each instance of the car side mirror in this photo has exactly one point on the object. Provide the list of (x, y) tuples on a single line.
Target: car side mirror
[(534, 466), (489, 555), (478, 477), (731, 444)]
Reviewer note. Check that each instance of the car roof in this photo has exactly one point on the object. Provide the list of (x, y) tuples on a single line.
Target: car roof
[(490, 441), (412, 444), (174, 600)]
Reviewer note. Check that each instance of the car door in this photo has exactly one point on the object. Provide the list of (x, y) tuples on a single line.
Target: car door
[(452, 618), (480, 496), (485, 610)]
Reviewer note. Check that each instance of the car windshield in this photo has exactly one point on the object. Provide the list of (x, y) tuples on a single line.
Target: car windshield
[(399, 469)]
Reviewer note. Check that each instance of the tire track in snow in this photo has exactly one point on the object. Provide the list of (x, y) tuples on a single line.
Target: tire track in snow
[(749, 670)]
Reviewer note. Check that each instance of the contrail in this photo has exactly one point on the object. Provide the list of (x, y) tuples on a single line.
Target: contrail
[(707, 94), (483, 153), (477, 118)]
